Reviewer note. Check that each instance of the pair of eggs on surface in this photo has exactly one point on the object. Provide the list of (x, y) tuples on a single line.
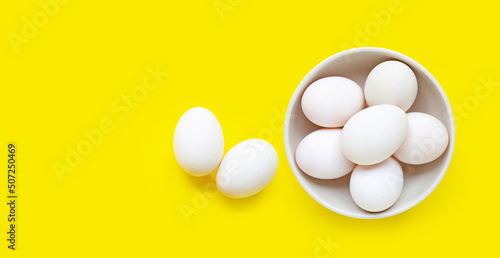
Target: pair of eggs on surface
[(370, 136), (246, 168)]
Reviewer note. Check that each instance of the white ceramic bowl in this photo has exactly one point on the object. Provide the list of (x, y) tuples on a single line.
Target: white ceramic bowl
[(419, 180)]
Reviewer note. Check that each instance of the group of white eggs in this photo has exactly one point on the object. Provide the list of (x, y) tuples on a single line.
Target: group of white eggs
[(367, 141), (246, 168)]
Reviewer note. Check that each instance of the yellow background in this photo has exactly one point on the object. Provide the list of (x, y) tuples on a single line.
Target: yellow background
[(124, 198)]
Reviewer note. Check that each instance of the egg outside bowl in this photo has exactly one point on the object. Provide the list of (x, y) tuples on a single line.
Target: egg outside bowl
[(419, 180)]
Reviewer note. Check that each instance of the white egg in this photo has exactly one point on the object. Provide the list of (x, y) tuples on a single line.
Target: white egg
[(331, 101), (247, 168), (374, 134), (198, 142), (427, 139), (391, 82), (319, 155), (377, 187)]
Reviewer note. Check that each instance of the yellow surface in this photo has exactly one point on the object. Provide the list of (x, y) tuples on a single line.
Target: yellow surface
[(242, 59)]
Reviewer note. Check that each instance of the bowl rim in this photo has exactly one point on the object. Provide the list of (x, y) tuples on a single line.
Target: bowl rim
[(412, 63)]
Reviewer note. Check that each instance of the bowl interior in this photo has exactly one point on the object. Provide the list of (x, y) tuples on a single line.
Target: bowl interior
[(419, 180)]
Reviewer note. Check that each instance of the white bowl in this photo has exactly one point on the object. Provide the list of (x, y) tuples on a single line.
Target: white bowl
[(419, 181)]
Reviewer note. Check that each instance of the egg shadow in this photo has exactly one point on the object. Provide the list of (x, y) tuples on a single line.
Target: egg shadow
[(334, 222), (338, 222), (201, 182), (239, 204)]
